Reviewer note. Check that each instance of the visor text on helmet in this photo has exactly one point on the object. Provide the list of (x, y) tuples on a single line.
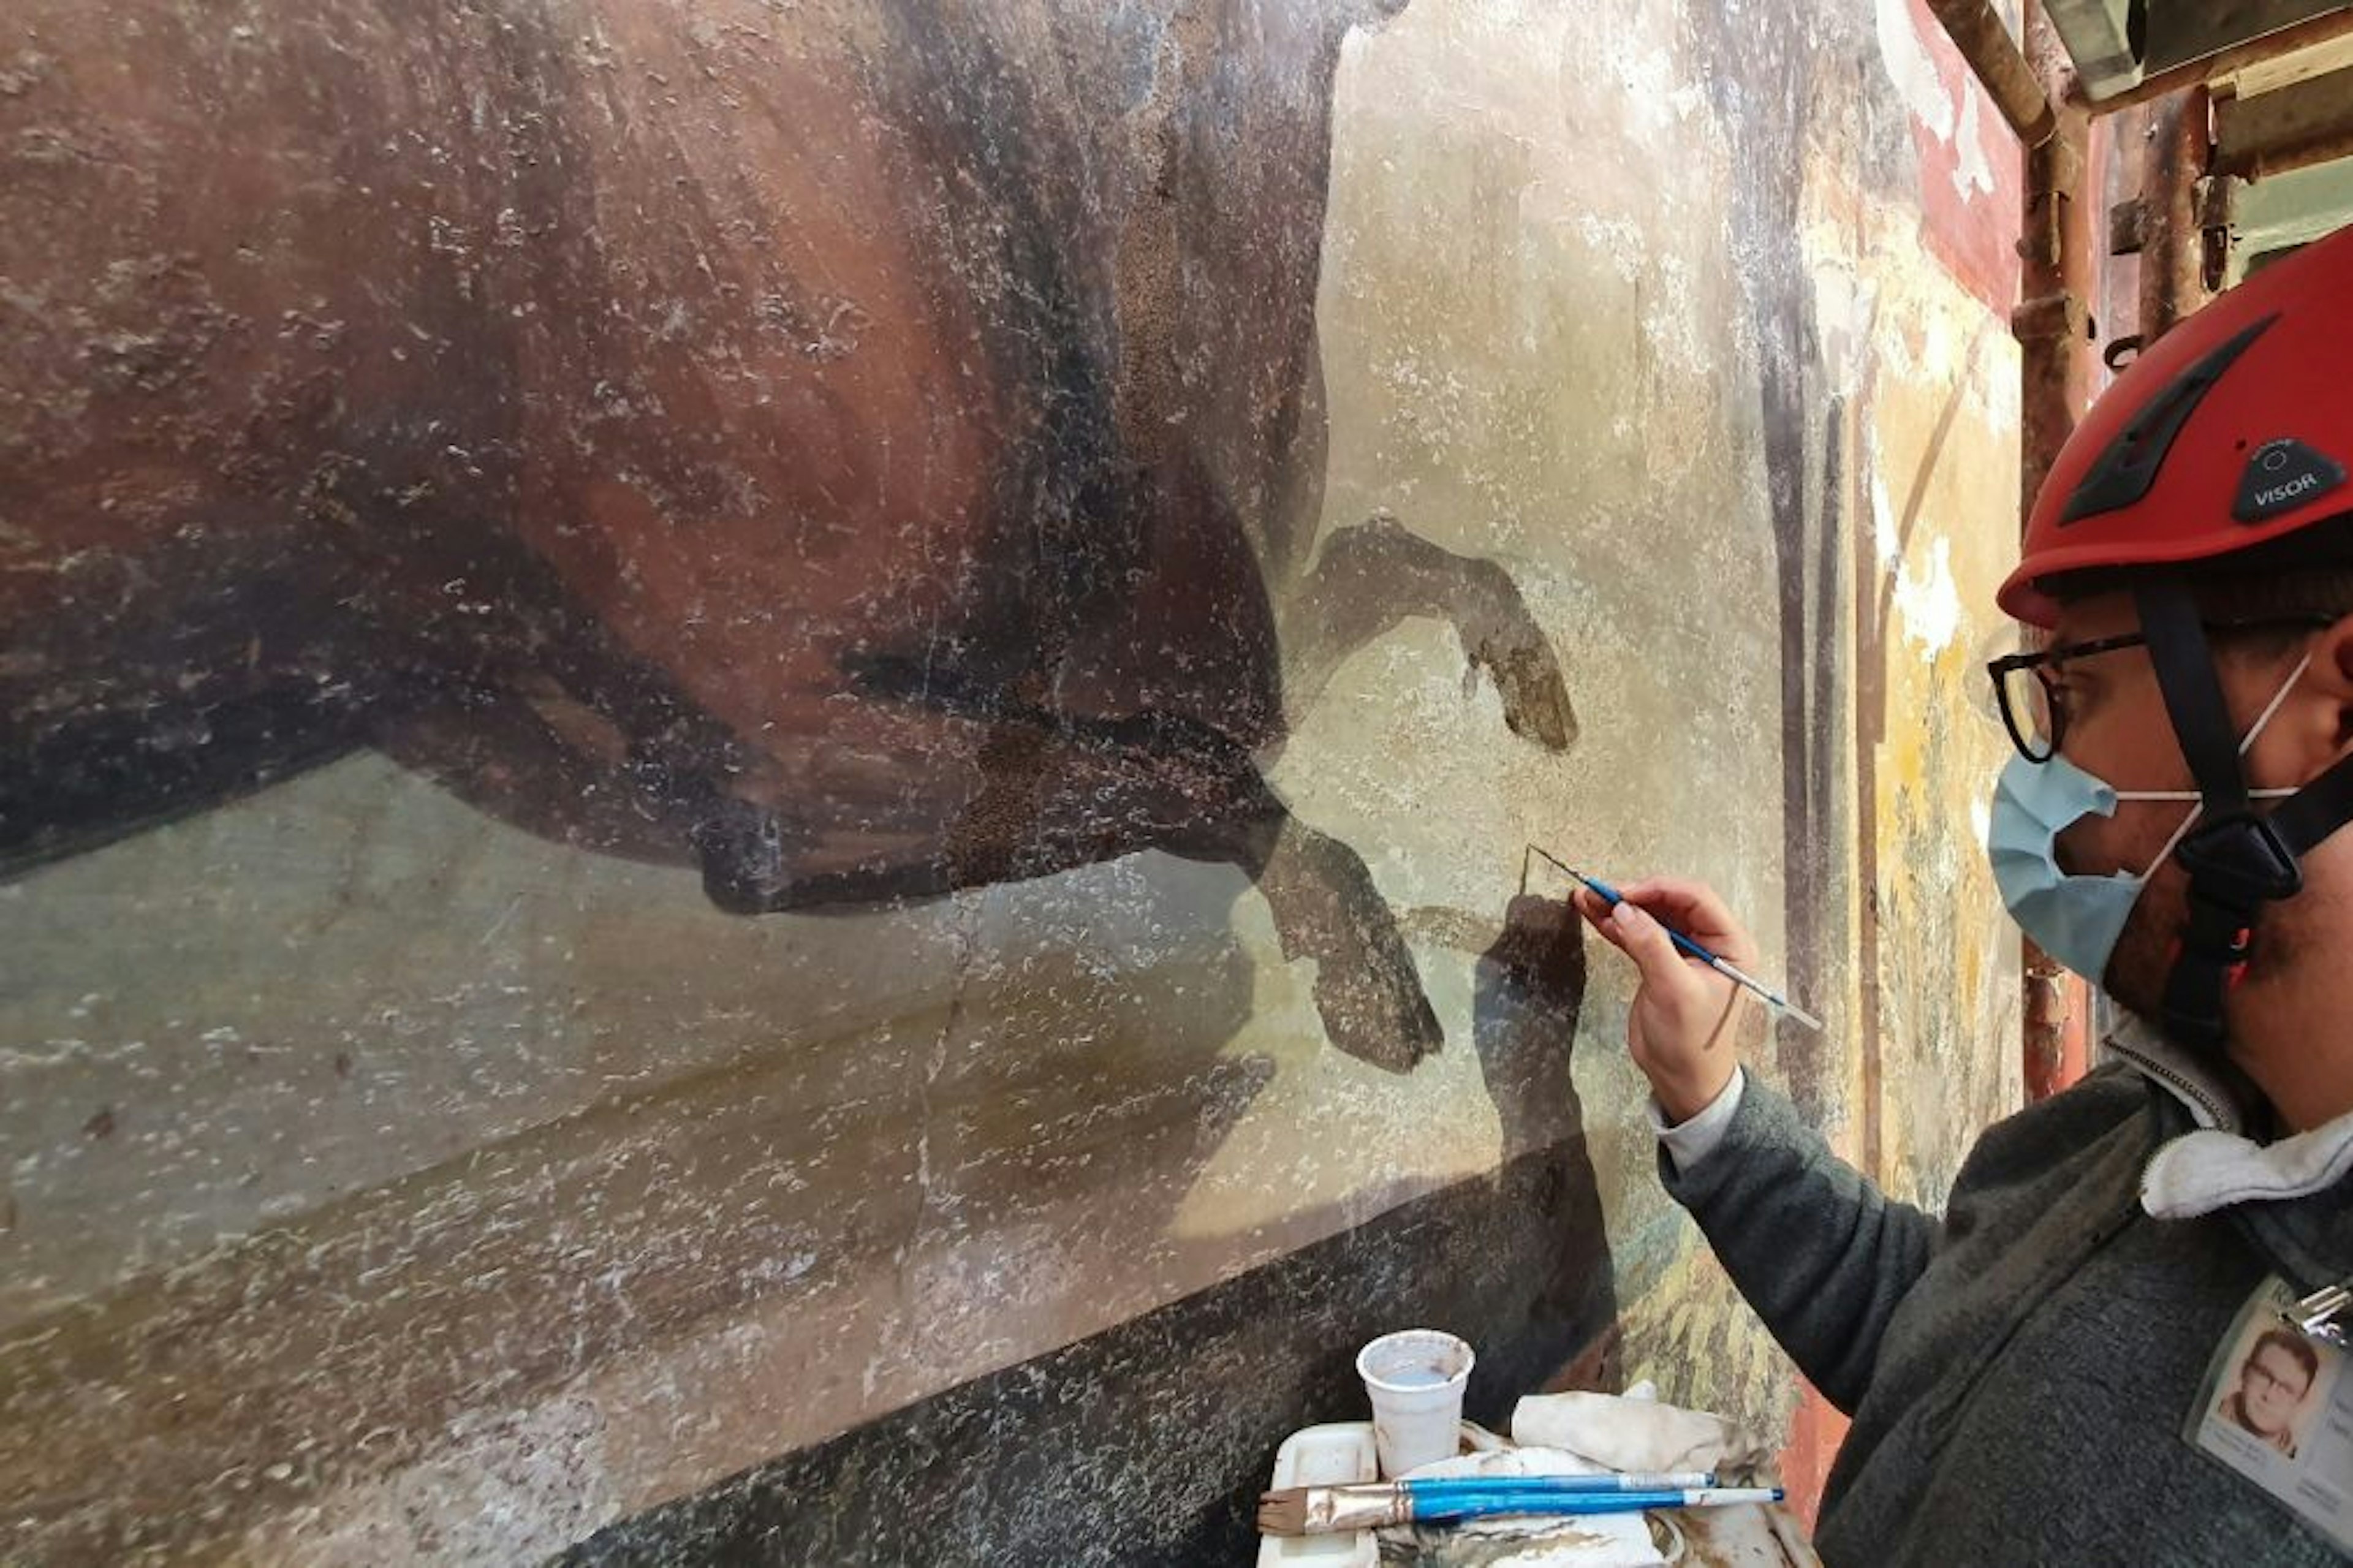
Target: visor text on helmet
[(2294, 486), (2282, 476)]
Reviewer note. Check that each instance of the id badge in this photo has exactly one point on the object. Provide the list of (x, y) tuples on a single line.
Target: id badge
[(2276, 1406)]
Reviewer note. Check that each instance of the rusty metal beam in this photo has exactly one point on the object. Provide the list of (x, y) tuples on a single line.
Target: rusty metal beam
[(2304, 34), (2127, 224), (2018, 92), (2309, 123), (2173, 261), (2052, 321), (2054, 327)]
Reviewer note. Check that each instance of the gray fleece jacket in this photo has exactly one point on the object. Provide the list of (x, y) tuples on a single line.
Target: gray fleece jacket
[(2019, 1371)]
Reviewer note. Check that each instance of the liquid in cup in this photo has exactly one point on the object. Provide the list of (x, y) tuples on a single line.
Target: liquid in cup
[(1415, 1379)]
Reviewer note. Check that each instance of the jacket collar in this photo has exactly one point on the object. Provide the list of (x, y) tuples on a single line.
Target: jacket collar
[(2220, 1163)]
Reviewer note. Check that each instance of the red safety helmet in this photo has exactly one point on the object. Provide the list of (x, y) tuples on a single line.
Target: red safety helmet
[(2234, 430)]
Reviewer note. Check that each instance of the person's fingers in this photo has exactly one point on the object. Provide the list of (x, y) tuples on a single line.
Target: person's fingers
[(1595, 911), (1682, 897), (1646, 941), (1698, 912), (1681, 1010)]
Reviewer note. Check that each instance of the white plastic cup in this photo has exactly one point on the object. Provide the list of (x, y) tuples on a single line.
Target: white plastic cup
[(1415, 1379)]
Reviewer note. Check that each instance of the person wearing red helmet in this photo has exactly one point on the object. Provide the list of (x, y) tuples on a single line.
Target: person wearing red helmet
[(2032, 1375)]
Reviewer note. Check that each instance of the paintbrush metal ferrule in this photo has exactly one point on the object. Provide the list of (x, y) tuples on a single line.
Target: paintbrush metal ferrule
[(1327, 1511)]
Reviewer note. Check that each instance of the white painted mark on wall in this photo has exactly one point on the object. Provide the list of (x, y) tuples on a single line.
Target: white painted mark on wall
[(1949, 110), (1911, 69), (1925, 599), (1928, 601), (1973, 170)]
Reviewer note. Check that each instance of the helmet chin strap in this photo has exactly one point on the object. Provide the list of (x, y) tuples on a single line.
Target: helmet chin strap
[(2237, 862)]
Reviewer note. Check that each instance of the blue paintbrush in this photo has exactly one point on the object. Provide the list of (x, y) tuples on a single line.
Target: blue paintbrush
[(1725, 967), (1371, 1505)]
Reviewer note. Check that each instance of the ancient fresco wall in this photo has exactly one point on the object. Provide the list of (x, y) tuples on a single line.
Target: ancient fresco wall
[(763, 762)]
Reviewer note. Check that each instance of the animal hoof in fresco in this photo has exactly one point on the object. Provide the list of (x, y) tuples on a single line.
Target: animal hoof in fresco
[(747, 869), (1366, 988), (1374, 1011), (1373, 574), (1503, 639)]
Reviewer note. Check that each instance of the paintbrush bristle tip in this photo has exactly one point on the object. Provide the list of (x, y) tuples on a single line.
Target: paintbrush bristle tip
[(1283, 1513)]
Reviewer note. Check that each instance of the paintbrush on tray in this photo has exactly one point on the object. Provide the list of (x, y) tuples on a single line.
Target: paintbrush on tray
[(1374, 1505)]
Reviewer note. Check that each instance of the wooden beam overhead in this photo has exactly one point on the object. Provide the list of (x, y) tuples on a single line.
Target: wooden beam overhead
[(2182, 34), (2266, 134), (2329, 28), (2287, 70)]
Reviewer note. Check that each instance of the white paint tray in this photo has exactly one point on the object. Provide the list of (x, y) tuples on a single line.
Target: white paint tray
[(1328, 1456)]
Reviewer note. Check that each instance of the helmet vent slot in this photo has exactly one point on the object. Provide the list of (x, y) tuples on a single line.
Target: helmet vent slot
[(2128, 469)]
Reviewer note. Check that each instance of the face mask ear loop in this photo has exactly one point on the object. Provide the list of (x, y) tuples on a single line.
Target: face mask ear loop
[(2254, 731), (2279, 700), (2174, 843)]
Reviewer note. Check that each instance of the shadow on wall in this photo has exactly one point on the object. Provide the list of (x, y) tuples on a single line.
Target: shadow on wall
[(569, 471), (1149, 1444)]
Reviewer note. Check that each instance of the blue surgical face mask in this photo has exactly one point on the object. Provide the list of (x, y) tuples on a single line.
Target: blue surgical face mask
[(2078, 919)]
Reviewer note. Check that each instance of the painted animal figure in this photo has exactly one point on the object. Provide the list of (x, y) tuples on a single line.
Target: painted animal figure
[(870, 449)]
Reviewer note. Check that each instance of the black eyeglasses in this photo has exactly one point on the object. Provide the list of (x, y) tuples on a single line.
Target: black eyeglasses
[(2033, 703)]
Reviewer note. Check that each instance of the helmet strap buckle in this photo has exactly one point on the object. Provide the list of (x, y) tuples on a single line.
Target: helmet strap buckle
[(2236, 862), (2240, 862)]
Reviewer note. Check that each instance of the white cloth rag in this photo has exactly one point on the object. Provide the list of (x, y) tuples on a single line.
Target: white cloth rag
[(2217, 1165), (2200, 1172), (1620, 1433), (1584, 1435)]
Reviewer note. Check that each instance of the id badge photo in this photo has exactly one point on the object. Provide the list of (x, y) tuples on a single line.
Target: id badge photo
[(2276, 1406)]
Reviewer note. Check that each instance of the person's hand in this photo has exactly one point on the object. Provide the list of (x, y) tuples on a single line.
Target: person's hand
[(1687, 1020)]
